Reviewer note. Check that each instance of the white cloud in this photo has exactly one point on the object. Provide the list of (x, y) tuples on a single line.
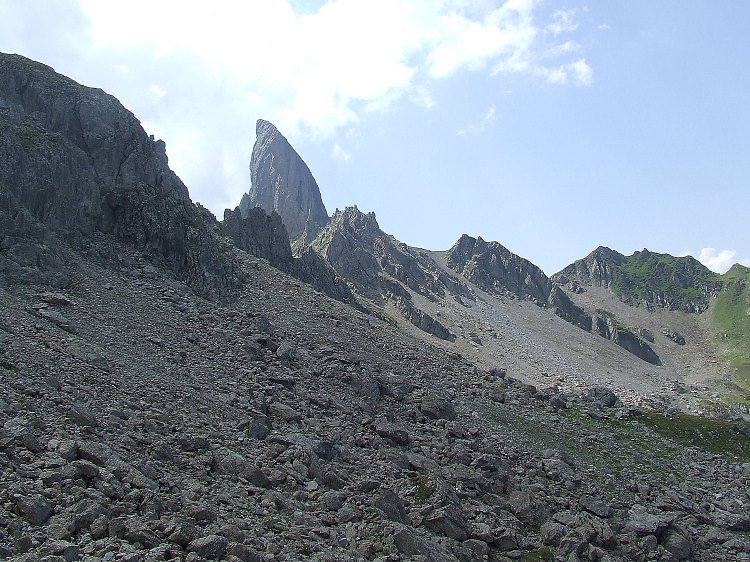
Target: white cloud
[(720, 261), (199, 74), (340, 154), (502, 39), (579, 72), (486, 120), (157, 91), (562, 22)]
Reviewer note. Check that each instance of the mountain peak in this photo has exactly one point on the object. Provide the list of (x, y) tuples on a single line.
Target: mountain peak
[(281, 181)]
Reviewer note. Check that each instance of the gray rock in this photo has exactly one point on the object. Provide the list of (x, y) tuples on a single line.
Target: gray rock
[(435, 407), (286, 351), (678, 544), (283, 411), (243, 552), (525, 506), (193, 443), (22, 433), (366, 385), (642, 522), (58, 320), (211, 547), (257, 477), (409, 543), (280, 181), (392, 431), (392, 506), (35, 508), (226, 461), (183, 532), (732, 521), (326, 450), (448, 521), (80, 414), (55, 298), (596, 506), (332, 501), (95, 452)]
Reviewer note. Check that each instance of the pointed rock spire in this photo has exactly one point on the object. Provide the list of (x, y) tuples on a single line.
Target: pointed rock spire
[(281, 181)]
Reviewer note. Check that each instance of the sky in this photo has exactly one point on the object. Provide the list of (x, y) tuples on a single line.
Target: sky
[(552, 127)]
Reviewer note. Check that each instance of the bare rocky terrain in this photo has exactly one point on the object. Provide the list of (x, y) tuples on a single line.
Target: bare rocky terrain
[(176, 388)]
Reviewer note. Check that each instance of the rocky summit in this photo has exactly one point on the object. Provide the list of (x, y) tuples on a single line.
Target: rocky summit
[(173, 387), (280, 181)]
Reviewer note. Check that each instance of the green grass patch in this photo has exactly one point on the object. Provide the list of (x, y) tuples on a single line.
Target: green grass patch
[(710, 434), (677, 281), (469, 267), (424, 487), (732, 323), (542, 555)]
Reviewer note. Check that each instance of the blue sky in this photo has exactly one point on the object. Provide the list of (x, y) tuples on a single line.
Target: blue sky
[(551, 127)]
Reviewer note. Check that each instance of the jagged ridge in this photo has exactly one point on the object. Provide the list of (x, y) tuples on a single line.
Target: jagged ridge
[(647, 278)]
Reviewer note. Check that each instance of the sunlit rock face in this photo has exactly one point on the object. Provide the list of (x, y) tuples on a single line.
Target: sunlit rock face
[(280, 181)]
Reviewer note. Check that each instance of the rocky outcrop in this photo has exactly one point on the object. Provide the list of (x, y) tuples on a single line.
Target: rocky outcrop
[(75, 163), (596, 269), (280, 181), (493, 268), (352, 243), (607, 326), (565, 309), (310, 268), (394, 292), (383, 269), (264, 236), (259, 234)]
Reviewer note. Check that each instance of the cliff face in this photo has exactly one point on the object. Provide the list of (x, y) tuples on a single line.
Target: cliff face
[(74, 162), (280, 181), (259, 234), (381, 268), (493, 268), (595, 269), (264, 236)]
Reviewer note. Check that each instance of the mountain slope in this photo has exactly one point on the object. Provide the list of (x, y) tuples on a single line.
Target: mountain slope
[(492, 267), (731, 322), (140, 420), (383, 270)]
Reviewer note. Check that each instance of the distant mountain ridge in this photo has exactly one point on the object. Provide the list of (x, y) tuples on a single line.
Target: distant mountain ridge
[(646, 278), (96, 172)]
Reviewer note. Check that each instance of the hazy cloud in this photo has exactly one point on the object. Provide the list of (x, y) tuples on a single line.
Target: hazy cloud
[(720, 260), (198, 75), (340, 154), (562, 22), (487, 119)]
